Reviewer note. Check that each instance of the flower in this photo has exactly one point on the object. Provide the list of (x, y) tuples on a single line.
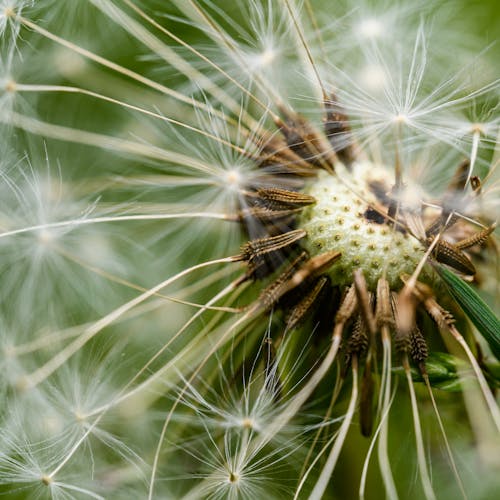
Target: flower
[(260, 256)]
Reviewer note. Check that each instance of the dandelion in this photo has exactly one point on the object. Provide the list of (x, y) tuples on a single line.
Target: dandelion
[(247, 251)]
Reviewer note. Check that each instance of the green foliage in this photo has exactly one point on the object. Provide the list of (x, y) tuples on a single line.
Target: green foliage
[(475, 308)]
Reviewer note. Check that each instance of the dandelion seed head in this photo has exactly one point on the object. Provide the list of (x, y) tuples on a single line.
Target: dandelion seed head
[(45, 237), (373, 77), (8, 85), (234, 477), (33, 468), (251, 409), (401, 118), (478, 128), (262, 58), (370, 28), (267, 56), (234, 179), (68, 64), (8, 10), (249, 423), (47, 480)]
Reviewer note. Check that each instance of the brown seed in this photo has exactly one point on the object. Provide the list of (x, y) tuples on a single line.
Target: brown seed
[(476, 239), (314, 267), (308, 302), (443, 318), (252, 250), (265, 214), (273, 292), (295, 275), (306, 142), (347, 307), (281, 199), (438, 224), (338, 131), (357, 344), (418, 346), (449, 254)]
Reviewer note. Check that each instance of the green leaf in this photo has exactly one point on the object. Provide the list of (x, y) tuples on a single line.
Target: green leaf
[(456, 385), (441, 369), (493, 369), (476, 309)]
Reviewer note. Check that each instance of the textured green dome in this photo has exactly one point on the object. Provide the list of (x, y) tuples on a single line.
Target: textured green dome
[(345, 218)]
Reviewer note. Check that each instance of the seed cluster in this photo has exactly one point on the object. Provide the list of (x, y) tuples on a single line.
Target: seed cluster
[(345, 219)]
